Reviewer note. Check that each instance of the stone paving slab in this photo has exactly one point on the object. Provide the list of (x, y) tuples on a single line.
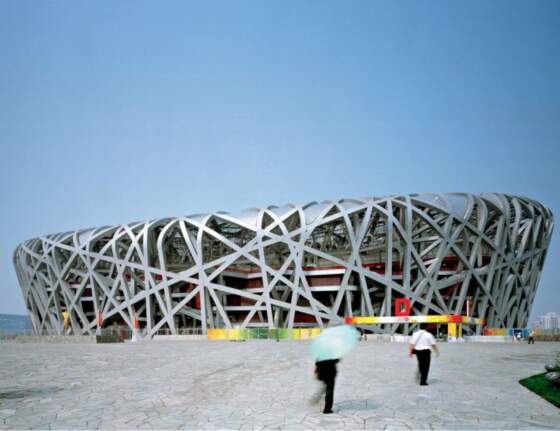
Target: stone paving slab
[(264, 385)]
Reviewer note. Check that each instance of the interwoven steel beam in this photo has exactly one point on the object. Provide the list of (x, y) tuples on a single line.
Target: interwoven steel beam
[(293, 266)]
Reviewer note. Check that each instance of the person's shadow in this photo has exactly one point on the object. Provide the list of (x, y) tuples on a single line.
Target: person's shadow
[(357, 405)]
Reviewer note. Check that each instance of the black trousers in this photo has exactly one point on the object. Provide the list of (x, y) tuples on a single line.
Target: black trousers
[(329, 393), (424, 357), (326, 372)]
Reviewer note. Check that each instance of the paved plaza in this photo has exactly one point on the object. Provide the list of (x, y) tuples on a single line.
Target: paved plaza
[(267, 385)]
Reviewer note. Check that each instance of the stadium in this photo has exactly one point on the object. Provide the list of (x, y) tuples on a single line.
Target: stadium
[(294, 266)]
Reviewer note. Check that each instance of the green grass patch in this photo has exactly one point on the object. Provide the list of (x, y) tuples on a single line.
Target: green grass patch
[(540, 386)]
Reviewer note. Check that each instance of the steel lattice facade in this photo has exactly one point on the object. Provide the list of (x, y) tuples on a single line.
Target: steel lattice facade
[(293, 266)]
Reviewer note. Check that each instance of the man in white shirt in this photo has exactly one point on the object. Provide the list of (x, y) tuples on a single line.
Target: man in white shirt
[(421, 344)]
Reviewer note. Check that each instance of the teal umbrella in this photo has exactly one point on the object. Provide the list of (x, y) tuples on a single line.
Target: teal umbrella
[(333, 343)]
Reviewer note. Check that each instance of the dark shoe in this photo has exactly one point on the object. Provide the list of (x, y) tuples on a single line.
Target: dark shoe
[(424, 384), (327, 411)]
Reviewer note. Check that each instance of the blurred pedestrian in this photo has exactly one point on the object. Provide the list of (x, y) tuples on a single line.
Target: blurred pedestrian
[(325, 371), (327, 349), (422, 344), (531, 338)]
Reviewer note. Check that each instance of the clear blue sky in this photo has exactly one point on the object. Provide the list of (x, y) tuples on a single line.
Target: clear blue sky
[(118, 111)]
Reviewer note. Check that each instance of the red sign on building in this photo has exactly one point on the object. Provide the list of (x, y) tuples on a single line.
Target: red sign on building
[(402, 307)]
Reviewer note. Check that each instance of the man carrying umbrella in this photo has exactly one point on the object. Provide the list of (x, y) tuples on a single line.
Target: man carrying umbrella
[(327, 349)]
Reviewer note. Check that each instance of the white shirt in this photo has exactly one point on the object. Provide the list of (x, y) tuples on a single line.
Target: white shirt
[(422, 340)]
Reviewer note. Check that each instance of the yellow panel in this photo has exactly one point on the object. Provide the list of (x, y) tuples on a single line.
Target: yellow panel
[(217, 334), (66, 317), (233, 334), (365, 320), (315, 332), (452, 329), (497, 331)]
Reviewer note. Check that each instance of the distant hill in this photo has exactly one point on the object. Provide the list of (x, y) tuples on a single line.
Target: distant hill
[(14, 323)]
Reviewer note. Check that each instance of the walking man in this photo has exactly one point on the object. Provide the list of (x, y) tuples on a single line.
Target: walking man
[(326, 372), (422, 344), (531, 339)]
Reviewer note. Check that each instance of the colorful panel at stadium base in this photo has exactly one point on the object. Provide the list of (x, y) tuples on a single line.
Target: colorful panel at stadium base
[(509, 332), (402, 308), (454, 322), (237, 334)]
